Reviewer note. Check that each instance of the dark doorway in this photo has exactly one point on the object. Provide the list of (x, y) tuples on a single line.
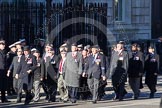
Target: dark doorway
[(156, 18)]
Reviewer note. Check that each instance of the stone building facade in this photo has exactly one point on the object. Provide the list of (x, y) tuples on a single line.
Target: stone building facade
[(135, 21)]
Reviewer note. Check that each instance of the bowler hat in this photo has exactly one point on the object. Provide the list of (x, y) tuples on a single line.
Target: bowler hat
[(95, 46), (26, 48)]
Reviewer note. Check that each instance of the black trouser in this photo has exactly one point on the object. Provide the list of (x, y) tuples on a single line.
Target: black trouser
[(119, 90), (44, 86), (152, 87), (51, 89), (141, 83), (101, 89), (84, 92), (10, 89), (3, 97), (3, 85)]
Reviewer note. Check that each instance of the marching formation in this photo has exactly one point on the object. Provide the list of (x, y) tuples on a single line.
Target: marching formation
[(77, 72)]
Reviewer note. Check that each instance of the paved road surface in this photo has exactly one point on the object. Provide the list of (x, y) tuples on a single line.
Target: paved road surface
[(107, 102)]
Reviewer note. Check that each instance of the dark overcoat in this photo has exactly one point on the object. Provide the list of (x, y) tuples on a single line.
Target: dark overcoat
[(151, 68), (135, 69), (3, 77), (25, 65), (123, 56), (49, 69)]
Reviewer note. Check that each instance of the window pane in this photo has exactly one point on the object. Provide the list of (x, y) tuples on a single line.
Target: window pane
[(118, 10)]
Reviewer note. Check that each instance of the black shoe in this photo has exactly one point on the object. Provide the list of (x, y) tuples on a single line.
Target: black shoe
[(120, 98), (9, 94), (51, 100), (5, 101), (94, 102), (151, 95), (73, 101), (18, 101), (60, 100), (14, 93), (99, 98), (116, 97), (65, 101), (47, 97), (135, 98), (31, 97), (124, 93), (35, 101), (27, 102)]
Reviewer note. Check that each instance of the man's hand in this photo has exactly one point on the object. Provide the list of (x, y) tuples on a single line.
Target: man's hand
[(103, 78), (8, 73), (16, 76), (83, 74), (41, 79), (155, 74), (29, 71)]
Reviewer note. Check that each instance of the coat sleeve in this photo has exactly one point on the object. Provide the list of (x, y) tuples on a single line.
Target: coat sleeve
[(109, 74), (142, 59), (158, 63), (12, 64), (42, 68), (126, 61), (103, 64), (34, 66), (80, 65), (145, 63)]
